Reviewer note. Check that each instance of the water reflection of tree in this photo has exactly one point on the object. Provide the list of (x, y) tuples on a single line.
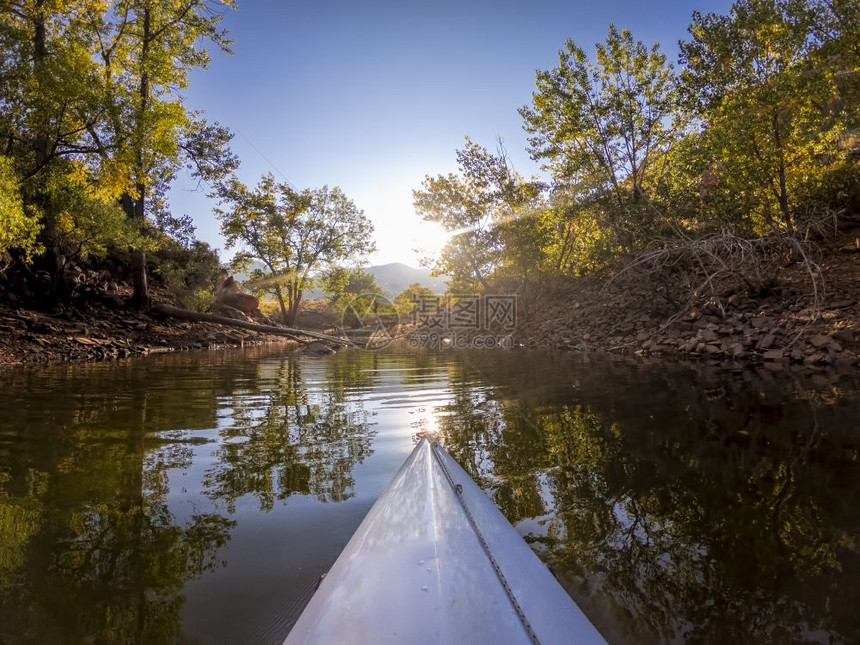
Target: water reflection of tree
[(89, 550), (709, 521), (301, 431)]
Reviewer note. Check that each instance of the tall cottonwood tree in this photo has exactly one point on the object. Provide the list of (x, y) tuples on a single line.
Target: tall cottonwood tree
[(50, 95), (90, 102), (147, 49), (599, 125), (293, 233)]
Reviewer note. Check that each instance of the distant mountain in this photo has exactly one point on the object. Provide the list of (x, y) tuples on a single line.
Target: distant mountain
[(395, 277), (392, 279)]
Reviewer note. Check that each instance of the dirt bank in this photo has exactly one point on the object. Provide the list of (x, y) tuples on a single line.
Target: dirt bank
[(103, 332), (795, 324), (97, 325)]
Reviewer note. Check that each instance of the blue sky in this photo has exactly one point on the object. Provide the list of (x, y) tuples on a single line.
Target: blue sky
[(372, 96)]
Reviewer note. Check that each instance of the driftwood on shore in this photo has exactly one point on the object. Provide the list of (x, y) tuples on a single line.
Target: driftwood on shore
[(296, 334)]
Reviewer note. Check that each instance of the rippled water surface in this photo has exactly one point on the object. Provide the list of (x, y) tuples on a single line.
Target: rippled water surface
[(198, 497)]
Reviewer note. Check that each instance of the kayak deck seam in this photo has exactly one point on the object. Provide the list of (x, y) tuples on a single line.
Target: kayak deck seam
[(458, 493)]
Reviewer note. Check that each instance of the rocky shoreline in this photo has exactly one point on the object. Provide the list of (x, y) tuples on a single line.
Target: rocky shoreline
[(795, 325), (104, 333)]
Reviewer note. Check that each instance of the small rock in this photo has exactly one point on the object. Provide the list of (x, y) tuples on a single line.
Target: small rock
[(844, 336), (708, 335), (758, 322), (113, 300), (814, 359), (766, 342), (820, 341), (819, 381), (317, 349), (773, 355), (736, 349)]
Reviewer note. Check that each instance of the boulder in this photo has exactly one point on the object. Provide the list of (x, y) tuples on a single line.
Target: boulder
[(244, 302), (220, 309)]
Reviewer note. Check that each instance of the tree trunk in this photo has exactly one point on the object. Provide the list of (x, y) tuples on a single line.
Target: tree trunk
[(280, 295), (475, 268), (294, 297), (783, 189), (135, 208), (140, 299)]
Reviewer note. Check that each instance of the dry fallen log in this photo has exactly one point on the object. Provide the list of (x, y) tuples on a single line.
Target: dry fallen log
[(194, 316)]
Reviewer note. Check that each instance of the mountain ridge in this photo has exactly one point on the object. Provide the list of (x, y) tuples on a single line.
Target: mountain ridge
[(392, 278)]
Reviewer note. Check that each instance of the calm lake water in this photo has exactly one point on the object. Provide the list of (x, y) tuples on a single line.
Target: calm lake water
[(197, 498)]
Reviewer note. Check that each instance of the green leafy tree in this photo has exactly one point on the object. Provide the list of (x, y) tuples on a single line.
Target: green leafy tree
[(50, 94), (342, 284), (750, 79), (472, 206), (600, 126), (188, 271), (147, 50), (406, 301), (92, 90), (293, 233), (18, 226), (49, 86)]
